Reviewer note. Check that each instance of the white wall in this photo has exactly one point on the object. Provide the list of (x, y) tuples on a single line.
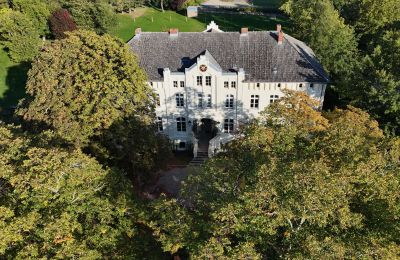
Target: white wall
[(242, 93)]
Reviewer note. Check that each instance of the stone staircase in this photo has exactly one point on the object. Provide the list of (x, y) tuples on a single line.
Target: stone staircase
[(202, 156)]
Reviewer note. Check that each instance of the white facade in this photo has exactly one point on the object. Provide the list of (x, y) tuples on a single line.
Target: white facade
[(205, 91)]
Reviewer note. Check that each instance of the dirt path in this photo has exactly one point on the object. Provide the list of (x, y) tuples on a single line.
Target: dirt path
[(138, 12)]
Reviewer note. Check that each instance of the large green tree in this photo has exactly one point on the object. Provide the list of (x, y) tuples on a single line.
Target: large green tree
[(94, 15), (59, 203), (295, 184), (320, 25), (92, 92), (37, 10), (18, 35)]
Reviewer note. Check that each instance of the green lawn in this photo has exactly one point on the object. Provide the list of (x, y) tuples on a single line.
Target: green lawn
[(272, 4), (156, 21), (12, 81)]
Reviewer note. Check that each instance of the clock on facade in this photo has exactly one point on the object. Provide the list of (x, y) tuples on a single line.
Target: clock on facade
[(203, 68)]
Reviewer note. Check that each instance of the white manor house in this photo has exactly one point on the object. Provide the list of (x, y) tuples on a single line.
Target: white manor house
[(207, 83)]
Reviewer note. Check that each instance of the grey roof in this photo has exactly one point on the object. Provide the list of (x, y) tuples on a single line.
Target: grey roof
[(257, 53)]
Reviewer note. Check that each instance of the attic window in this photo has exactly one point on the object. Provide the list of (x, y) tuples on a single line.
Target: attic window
[(279, 85), (301, 85)]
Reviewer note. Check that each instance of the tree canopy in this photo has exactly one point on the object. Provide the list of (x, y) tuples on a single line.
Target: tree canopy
[(18, 35), (294, 186), (60, 203)]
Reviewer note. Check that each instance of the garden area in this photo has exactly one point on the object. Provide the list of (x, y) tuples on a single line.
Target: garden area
[(153, 20)]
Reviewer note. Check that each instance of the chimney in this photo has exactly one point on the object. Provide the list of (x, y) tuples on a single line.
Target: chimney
[(244, 31), (280, 33), (173, 32), (138, 31)]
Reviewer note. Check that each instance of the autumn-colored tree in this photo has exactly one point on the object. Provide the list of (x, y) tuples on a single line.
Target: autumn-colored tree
[(295, 184), (61, 204), (61, 22)]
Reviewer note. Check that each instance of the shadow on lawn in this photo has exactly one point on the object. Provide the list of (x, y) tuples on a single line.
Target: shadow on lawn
[(16, 80)]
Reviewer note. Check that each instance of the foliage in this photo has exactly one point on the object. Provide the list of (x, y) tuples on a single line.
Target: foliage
[(38, 12), (61, 22), (18, 35), (91, 91), (381, 83), (60, 203), (93, 15), (295, 187), (320, 25), (125, 5)]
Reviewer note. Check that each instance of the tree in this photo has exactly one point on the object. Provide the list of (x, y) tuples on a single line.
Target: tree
[(92, 92), (294, 184), (18, 35), (93, 15), (380, 81), (319, 24), (60, 203), (61, 22), (38, 12)]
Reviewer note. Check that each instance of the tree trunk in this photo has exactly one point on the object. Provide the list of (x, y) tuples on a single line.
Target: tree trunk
[(162, 5)]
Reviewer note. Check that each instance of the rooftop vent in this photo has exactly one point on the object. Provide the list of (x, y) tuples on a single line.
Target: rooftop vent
[(280, 33), (244, 31), (138, 31)]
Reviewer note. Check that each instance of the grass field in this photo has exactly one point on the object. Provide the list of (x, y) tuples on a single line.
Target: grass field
[(156, 21), (272, 4), (12, 81)]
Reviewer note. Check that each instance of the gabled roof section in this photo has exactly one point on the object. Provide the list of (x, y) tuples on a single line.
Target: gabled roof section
[(211, 59), (258, 53)]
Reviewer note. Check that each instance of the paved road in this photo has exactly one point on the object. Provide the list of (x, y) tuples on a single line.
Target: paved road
[(234, 3)]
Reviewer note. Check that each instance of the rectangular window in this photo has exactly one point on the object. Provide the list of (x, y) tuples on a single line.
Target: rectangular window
[(199, 81), (254, 101), (226, 84), (229, 101), (160, 124), (180, 100), (273, 98), (233, 84), (182, 84), (208, 80), (209, 101), (158, 102), (175, 84), (181, 124), (200, 100), (228, 125)]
